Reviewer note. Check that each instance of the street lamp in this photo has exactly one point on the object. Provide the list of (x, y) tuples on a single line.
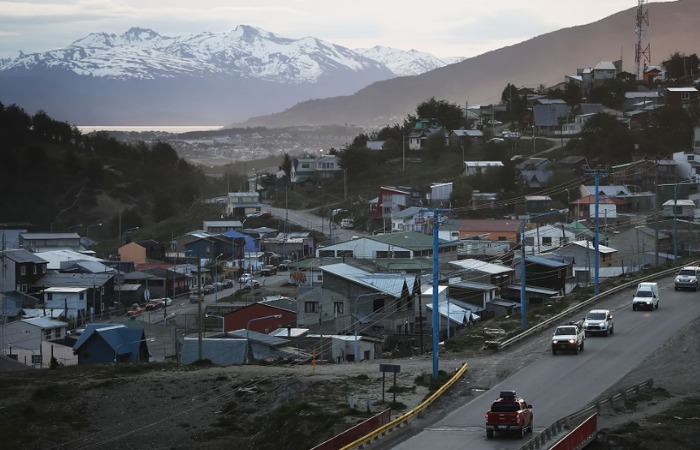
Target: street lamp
[(223, 325), (87, 229), (216, 277), (371, 294), (127, 232), (247, 331), (75, 226), (116, 351)]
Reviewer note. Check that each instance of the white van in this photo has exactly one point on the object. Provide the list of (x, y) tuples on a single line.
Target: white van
[(646, 297), (347, 223)]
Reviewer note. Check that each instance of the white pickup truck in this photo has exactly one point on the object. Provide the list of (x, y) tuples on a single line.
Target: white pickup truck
[(569, 337)]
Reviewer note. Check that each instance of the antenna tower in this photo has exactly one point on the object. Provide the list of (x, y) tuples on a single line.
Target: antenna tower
[(642, 53)]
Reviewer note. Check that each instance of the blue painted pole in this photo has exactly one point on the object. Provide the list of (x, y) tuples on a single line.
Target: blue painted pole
[(596, 256), (675, 222), (436, 281), (523, 297)]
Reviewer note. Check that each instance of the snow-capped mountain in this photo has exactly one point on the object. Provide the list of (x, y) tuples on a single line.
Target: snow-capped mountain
[(404, 63), (141, 76), (246, 52)]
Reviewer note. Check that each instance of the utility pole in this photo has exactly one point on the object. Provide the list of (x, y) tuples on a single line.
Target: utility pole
[(596, 239)]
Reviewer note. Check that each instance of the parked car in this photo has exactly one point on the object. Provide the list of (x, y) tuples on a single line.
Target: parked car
[(208, 289), (245, 278), (134, 311), (284, 265), (227, 283), (268, 271), (154, 304), (260, 215), (494, 122), (347, 223), (687, 278), (195, 297), (251, 284)]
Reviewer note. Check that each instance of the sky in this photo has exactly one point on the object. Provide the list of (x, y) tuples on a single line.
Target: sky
[(444, 28)]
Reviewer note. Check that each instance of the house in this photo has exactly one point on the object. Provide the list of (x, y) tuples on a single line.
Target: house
[(20, 268), (410, 219), (464, 138), (545, 238), (538, 204), (422, 129), (327, 168), (222, 351), (440, 194), (25, 337), (495, 230), (240, 204), (87, 292), (294, 245), (639, 100), (653, 73), (632, 243), (471, 292), (388, 299), (58, 260), (682, 97), (142, 251), (482, 272), (583, 253), (260, 317), (687, 163), (534, 171), (549, 271), (548, 115), (399, 246), (574, 164), (221, 226), (681, 208), (111, 344), (474, 167), (40, 242), (393, 199), (303, 170), (608, 207)]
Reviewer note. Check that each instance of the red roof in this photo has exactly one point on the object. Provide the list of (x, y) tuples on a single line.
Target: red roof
[(590, 200), (490, 225)]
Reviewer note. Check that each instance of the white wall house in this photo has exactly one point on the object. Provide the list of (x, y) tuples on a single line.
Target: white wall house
[(409, 219), (25, 338), (72, 300), (546, 238)]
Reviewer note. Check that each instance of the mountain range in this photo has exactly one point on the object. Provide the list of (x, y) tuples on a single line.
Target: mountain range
[(252, 77), (193, 79)]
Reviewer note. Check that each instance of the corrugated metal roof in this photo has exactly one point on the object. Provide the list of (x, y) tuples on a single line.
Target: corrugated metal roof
[(481, 266), (545, 261), (474, 285), (590, 246), (45, 322), (410, 240), (22, 256), (262, 338), (68, 290), (56, 257), (49, 236), (534, 289), (289, 332)]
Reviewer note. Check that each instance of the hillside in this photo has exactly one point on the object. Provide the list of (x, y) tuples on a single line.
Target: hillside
[(545, 59)]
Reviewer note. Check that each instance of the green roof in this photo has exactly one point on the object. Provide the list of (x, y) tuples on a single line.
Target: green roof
[(411, 240)]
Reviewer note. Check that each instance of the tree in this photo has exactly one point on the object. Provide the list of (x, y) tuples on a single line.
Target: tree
[(435, 144), (606, 139), (462, 191), (446, 114), (286, 166)]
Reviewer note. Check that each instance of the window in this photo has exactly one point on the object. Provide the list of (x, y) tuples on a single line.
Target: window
[(57, 333), (338, 307), (685, 95), (546, 240), (36, 359), (311, 307), (22, 270), (502, 238), (530, 241), (34, 270), (47, 333), (49, 296)]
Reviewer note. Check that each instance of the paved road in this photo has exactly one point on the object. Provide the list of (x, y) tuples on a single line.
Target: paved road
[(559, 385), (310, 221)]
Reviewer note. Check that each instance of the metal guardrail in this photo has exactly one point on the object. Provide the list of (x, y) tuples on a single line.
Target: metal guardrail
[(572, 420), (399, 421), (557, 318)]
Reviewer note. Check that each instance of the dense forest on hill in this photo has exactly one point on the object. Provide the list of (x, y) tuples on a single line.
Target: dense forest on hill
[(52, 177)]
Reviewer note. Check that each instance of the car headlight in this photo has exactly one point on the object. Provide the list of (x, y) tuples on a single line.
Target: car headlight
[(572, 341)]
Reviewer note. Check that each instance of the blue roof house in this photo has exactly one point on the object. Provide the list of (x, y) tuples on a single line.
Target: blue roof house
[(111, 343)]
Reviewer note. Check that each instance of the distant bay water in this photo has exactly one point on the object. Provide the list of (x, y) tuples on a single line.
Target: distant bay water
[(147, 128)]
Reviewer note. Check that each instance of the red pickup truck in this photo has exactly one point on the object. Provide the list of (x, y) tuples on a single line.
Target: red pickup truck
[(509, 413)]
